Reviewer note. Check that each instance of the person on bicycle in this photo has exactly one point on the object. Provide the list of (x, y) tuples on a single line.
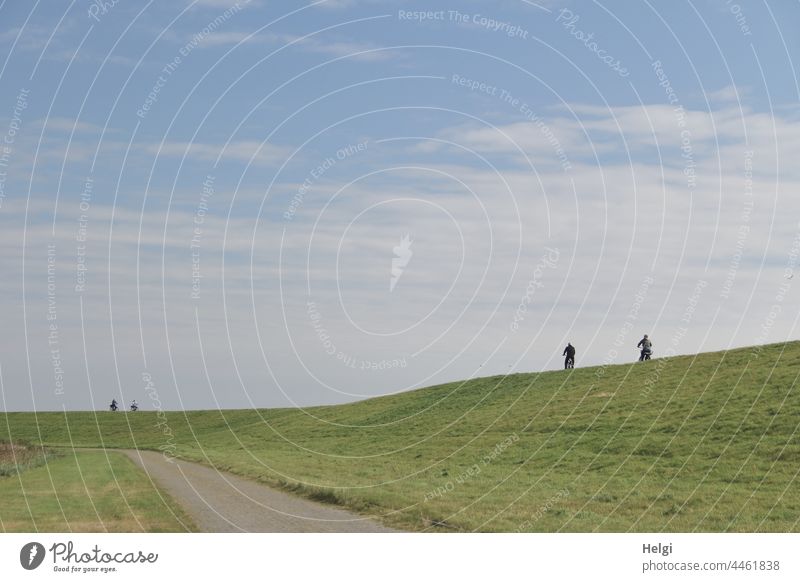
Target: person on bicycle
[(569, 352), (113, 406), (134, 406), (647, 348)]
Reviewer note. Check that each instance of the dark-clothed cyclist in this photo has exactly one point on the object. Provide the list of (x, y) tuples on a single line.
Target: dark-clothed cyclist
[(647, 348), (569, 352)]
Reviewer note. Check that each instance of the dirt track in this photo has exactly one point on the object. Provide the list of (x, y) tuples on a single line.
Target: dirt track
[(221, 502)]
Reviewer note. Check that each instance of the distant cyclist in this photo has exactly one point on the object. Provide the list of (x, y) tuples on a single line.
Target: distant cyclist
[(569, 352), (113, 406), (134, 406), (647, 348)]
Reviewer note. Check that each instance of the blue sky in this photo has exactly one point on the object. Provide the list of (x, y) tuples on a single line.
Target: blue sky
[(280, 204)]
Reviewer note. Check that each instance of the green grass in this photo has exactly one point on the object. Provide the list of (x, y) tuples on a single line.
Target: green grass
[(86, 491), (705, 443)]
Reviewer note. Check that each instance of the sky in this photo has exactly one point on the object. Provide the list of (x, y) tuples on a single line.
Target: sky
[(217, 204)]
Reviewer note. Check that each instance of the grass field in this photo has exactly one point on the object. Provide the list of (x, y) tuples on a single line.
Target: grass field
[(85, 491), (700, 443)]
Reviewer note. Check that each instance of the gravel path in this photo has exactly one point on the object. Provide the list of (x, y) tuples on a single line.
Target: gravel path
[(221, 502)]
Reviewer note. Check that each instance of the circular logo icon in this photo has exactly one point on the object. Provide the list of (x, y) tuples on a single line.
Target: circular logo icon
[(31, 555)]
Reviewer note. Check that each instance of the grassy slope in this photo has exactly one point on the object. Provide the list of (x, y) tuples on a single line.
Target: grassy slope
[(707, 443), (87, 491)]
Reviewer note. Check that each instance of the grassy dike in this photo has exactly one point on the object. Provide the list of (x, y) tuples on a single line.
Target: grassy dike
[(86, 491), (694, 443)]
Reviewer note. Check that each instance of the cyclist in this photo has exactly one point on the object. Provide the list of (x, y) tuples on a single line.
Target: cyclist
[(647, 348), (569, 352)]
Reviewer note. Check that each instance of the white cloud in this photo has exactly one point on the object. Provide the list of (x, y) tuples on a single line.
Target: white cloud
[(356, 50), (728, 94), (230, 37), (245, 151), (67, 124), (30, 38)]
